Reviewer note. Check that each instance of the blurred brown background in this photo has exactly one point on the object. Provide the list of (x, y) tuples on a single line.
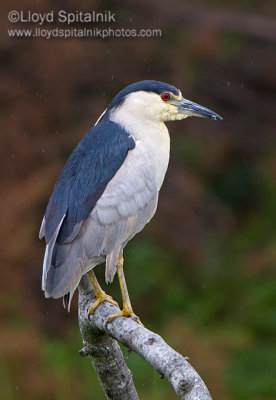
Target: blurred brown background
[(202, 273)]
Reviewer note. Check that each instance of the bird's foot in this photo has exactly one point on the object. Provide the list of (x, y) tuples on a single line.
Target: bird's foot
[(100, 299), (126, 312)]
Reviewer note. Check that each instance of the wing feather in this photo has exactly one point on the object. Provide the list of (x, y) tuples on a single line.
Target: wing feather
[(127, 204)]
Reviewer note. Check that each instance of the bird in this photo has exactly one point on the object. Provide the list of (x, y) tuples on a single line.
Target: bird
[(108, 190)]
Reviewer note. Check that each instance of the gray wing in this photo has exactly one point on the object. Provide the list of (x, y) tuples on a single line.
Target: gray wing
[(127, 204)]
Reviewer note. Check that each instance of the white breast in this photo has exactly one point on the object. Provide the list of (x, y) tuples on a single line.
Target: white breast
[(152, 142)]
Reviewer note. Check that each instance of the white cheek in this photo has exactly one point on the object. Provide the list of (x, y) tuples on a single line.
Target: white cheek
[(170, 113), (146, 106)]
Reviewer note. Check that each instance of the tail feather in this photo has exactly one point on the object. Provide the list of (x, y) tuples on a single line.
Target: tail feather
[(49, 253)]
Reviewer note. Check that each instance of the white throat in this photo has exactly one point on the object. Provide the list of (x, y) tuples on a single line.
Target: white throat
[(150, 134)]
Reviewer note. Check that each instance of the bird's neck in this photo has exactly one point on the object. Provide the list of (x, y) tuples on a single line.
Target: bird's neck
[(141, 128)]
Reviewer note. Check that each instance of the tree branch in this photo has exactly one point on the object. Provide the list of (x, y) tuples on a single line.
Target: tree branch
[(104, 352), (110, 366)]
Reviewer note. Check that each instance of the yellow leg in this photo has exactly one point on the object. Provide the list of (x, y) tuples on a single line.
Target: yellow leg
[(100, 294), (127, 308)]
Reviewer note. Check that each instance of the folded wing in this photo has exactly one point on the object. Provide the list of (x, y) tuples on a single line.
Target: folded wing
[(89, 169)]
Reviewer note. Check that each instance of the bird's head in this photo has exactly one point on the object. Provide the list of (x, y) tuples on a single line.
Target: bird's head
[(157, 101)]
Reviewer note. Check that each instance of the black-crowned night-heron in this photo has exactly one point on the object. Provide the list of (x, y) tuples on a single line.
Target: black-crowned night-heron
[(108, 189)]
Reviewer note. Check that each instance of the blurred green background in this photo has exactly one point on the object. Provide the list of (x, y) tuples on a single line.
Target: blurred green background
[(202, 273)]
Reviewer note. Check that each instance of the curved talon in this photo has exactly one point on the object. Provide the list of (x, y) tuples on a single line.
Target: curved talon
[(103, 297), (125, 313)]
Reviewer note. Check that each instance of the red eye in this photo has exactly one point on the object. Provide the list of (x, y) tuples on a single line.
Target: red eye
[(165, 96)]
